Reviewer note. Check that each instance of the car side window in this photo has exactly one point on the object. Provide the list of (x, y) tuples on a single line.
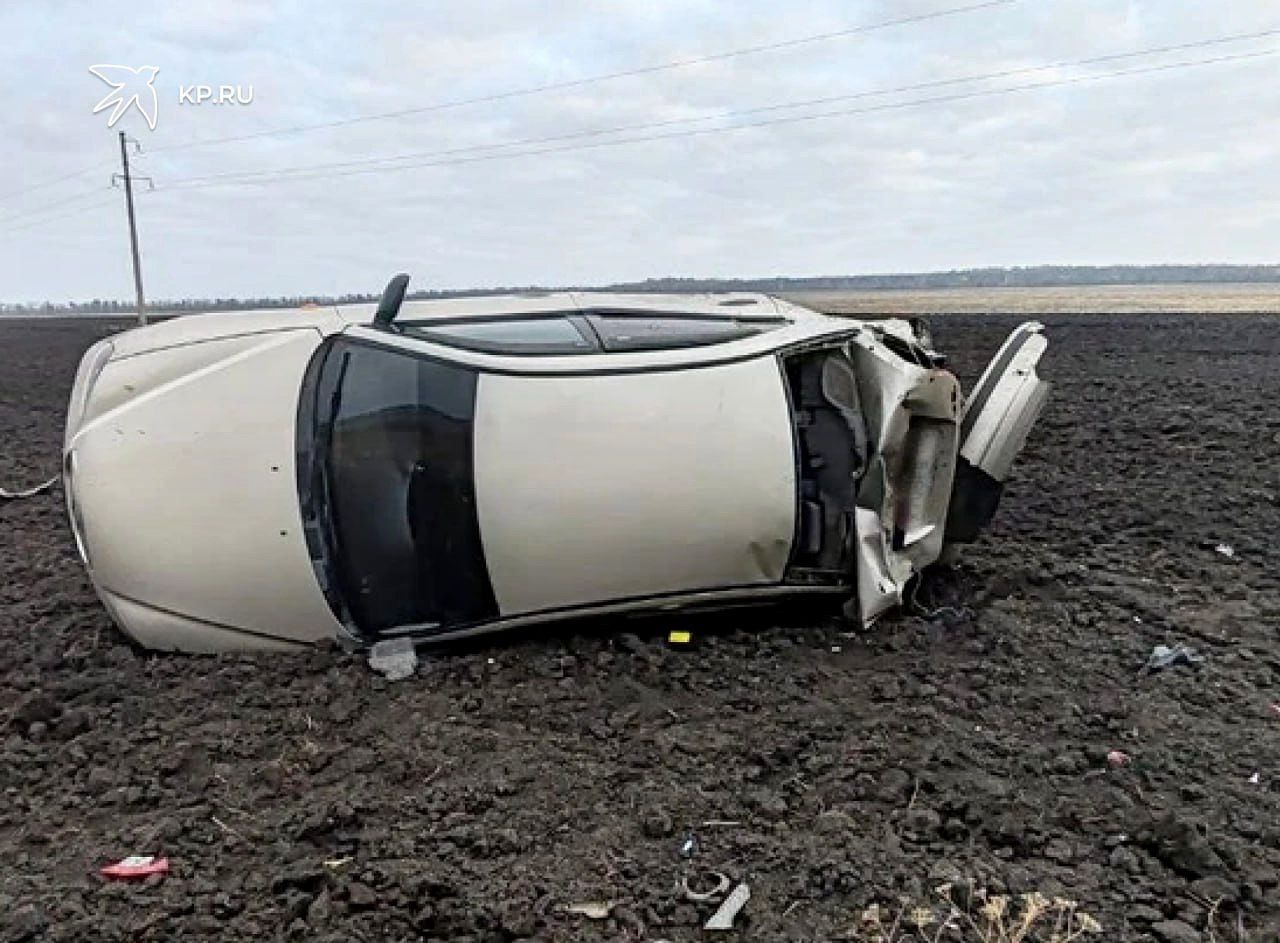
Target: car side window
[(628, 332), (544, 335), (591, 331)]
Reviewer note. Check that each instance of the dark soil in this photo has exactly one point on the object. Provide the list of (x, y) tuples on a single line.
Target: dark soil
[(303, 797)]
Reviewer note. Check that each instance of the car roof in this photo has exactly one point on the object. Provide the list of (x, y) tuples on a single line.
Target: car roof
[(801, 321), (738, 305), (791, 325)]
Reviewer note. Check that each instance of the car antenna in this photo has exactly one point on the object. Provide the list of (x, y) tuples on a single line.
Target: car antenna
[(392, 298)]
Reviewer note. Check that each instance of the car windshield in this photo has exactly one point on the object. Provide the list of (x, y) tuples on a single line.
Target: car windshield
[(396, 500)]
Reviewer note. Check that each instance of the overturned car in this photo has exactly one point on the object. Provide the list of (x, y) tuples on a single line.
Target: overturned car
[(442, 468)]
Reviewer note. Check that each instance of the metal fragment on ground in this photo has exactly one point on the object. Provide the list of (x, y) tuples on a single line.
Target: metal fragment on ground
[(1162, 656), (723, 918), (395, 659), (718, 885)]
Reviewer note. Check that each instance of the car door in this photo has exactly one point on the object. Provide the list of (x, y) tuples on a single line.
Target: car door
[(994, 423)]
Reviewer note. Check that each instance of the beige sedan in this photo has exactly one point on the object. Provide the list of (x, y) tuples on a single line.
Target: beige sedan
[(440, 468)]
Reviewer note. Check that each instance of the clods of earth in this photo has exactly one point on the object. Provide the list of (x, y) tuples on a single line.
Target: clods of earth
[(562, 786)]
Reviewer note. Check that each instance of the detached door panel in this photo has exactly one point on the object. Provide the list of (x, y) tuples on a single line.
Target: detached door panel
[(997, 417)]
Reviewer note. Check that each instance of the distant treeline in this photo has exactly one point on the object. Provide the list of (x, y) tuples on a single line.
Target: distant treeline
[(1038, 276)]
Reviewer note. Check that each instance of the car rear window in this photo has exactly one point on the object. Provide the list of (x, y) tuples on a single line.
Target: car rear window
[(588, 332)]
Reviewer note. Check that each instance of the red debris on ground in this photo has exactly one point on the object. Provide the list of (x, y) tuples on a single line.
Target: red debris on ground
[(135, 867)]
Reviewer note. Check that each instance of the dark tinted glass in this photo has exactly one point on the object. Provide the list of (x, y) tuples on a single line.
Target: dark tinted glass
[(401, 489), (507, 335), (619, 332)]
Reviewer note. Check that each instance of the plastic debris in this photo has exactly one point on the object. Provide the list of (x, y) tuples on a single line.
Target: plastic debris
[(1255, 779), (1275, 708), (7, 495), (135, 867), (592, 909), (717, 886), (1226, 550), (1118, 758), (690, 846), (680, 637), (395, 659), (723, 918), (1162, 656)]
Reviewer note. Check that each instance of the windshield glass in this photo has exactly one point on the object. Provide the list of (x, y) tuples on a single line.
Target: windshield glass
[(397, 489)]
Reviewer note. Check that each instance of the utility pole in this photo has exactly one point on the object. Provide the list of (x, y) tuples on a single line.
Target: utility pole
[(133, 228)]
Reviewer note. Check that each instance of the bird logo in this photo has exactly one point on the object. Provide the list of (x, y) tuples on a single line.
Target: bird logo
[(129, 86)]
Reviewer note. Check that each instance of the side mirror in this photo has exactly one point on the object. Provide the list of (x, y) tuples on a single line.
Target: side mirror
[(392, 299)]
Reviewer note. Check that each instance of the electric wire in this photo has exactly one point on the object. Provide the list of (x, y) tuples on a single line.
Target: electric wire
[(245, 176), (591, 79), (270, 177)]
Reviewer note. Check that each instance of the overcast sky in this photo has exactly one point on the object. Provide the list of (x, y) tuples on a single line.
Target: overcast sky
[(1175, 166)]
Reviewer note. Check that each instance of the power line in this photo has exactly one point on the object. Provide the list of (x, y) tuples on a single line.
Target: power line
[(49, 183), (539, 89), (7, 230), (302, 170), (592, 79), (48, 206), (277, 176)]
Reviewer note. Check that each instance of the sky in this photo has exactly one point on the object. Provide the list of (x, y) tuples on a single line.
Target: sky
[(1174, 166)]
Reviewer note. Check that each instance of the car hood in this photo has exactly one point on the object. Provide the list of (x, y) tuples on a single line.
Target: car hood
[(181, 481), (199, 328)]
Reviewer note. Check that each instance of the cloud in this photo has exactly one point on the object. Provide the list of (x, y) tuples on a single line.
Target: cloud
[(1174, 166)]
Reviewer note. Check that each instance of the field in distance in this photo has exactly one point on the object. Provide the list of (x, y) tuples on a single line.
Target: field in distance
[(1252, 298)]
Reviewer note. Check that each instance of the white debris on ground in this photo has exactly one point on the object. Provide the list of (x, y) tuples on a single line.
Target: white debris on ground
[(395, 659), (723, 918)]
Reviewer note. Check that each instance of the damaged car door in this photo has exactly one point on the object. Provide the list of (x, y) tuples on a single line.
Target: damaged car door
[(994, 424)]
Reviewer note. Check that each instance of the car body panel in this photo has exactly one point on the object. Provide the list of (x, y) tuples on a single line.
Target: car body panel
[(994, 425), (203, 328), (1005, 403), (164, 630), (186, 501), (669, 492), (911, 413)]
